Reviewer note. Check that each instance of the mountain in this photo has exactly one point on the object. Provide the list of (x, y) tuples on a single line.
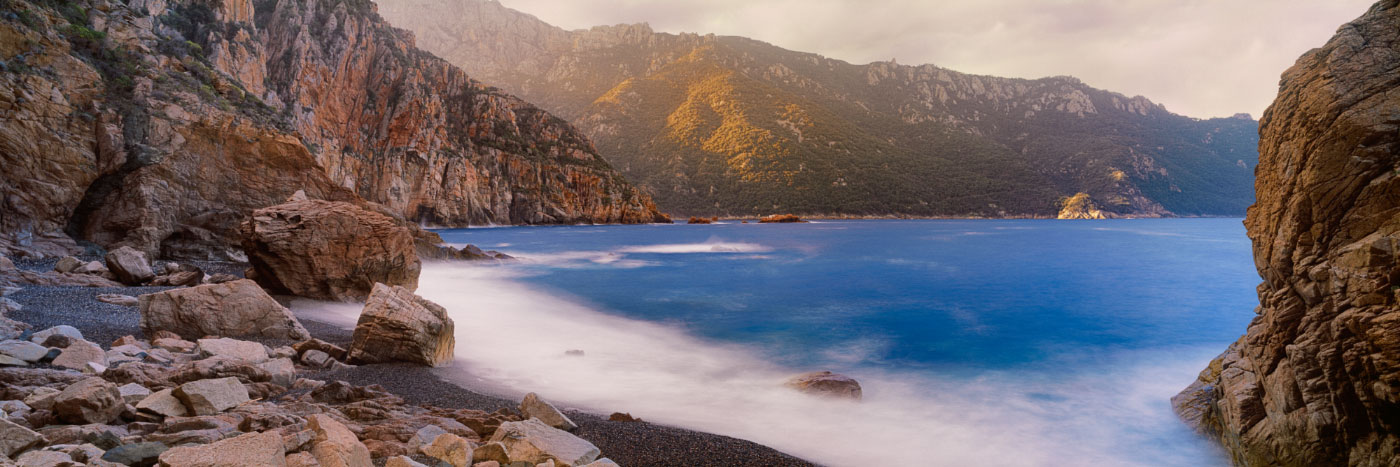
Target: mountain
[(733, 126), (1315, 380), (161, 125)]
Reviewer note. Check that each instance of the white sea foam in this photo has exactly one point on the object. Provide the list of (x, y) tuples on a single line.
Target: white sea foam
[(513, 336)]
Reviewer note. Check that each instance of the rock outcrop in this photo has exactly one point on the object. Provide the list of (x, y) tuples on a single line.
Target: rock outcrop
[(397, 325), (1316, 378), (231, 309), (161, 125), (328, 250), (826, 384)]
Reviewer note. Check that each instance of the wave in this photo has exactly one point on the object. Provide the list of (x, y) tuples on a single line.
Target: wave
[(513, 337)]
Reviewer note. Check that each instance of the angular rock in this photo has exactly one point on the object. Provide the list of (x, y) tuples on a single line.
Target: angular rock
[(329, 250), (24, 350), (282, 371), (62, 330), (130, 266), (165, 403), (252, 449), (44, 459), (136, 454), (6, 360), (426, 435), (335, 445), (826, 384), (251, 352), (533, 441), (79, 354), (212, 396), (450, 449), (491, 452), (67, 264), (92, 268), (397, 325), (133, 393), (222, 278), (334, 351), (118, 299), (233, 309), (533, 406), (14, 439), (316, 359), (92, 400), (402, 461), (42, 398), (302, 459), (174, 345), (604, 462)]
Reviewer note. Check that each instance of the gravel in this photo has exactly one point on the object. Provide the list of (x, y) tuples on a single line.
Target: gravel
[(628, 443)]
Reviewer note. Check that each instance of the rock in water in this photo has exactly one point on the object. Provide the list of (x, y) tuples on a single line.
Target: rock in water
[(233, 309), (93, 400), (533, 441), (826, 383), (131, 266), (533, 406), (1314, 379), (397, 325), (328, 250)]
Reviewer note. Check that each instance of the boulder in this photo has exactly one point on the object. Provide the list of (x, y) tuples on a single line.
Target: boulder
[(304, 459), (78, 354), (222, 278), (604, 462), (232, 309), (826, 384), (426, 435), (450, 449), (251, 352), (328, 250), (92, 400), (212, 396), (282, 371), (42, 398), (335, 445), (252, 449), (14, 438), (136, 454), (62, 330), (533, 441), (316, 359), (180, 279), (163, 402), (130, 266), (24, 350), (67, 264), (92, 268), (397, 325), (133, 393), (533, 406)]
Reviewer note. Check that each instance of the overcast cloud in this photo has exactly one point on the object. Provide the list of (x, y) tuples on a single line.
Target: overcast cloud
[(1203, 58)]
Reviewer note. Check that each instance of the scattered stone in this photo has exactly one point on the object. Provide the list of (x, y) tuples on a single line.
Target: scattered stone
[(92, 268), (163, 402), (333, 350), (94, 368), (533, 441), (316, 359), (24, 350), (252, 449), (14, 408), (133, 393), (303, 459), (180, 279), (92, 400), (62, 330), (826, 384), (42, 398), (130, 340), (79, 354), (449, 448), (336, 445), (174, 345), (251, 352), (282, 371), (397, 325), (328, 250), (604, 462), (233, 309), (402, 461), (118, 299), (533, 406), (44, 459), (136, 454), (6, 360), (130, 266), (212, 396), (426, 435), (67, 264), (222, 278), (282, 352), (487, 464), (14, 438), (623, 417)]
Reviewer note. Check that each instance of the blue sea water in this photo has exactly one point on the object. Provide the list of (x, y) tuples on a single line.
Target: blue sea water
[(979, 342)]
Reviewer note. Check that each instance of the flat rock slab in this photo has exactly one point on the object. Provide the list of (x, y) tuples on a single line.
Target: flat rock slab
[(232, 309), (251, 352), (130, 266), (534, 441), (253, 449), (165, 403), (212, 396), (15, 439)]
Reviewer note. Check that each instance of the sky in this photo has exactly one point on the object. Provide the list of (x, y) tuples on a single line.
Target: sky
[(1201, 58)]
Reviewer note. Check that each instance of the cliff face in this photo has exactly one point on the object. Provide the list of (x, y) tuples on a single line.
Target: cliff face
[(728, 125), (161, 125), (1316, 378)]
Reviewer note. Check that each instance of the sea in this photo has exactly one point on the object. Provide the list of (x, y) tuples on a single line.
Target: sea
[(976, 342)]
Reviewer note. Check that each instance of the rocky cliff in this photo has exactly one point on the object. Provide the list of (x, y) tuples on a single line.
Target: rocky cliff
[(160, 125), (732, 126), (1316, 378)]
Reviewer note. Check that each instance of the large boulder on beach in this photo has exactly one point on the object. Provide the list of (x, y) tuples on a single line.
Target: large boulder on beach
[(232, 309), (826, 384), (534, 441), (92, 400), (328, 250), (130, 266), (533, 406), (398, 325), (335, 444)]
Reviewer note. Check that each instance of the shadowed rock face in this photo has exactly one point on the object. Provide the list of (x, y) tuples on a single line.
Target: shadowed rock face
[(1316, 378), (161, 125)]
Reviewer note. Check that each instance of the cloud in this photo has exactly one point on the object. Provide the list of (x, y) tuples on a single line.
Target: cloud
[(1201, 58)]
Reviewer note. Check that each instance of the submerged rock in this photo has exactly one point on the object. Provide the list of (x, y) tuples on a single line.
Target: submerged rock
[(233, 309), (397, 325), (827, 384)]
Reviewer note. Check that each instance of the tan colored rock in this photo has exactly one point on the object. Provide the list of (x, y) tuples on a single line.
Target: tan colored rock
[(402, 461), (118, 299), (165, 403), (826, 384), (14, 439), (133, 393), (533, 406), (212, 396), (282, 370), (335, 445), (450, 449), (533, 441), (491, 452), (67, 264), (232, 309), (42, 398), (174, 344), (302, 459), (131, 266), (44, 459), (397, 325), (247, 351), (92, 400), (79, 354), (252, 449), (1315, 380), (329, 250)]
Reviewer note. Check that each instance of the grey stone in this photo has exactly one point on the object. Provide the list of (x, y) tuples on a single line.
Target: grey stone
[(15, 439), (165, 403), (133, 393), (212, 396), (62, 329), (24, 350), (136, 454)]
